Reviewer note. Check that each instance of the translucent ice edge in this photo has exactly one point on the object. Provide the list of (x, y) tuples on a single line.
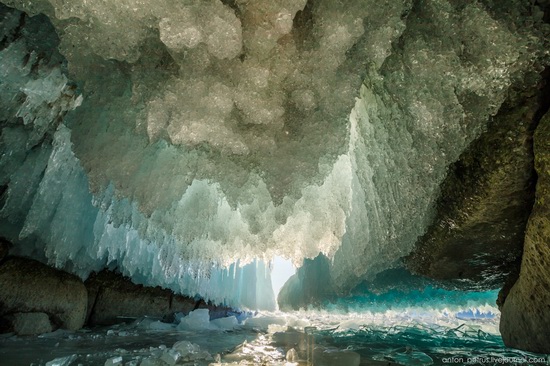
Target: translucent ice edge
[(429, 297), (70, 229), (67, 226)]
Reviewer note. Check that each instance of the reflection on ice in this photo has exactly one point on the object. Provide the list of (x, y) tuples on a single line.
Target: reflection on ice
[(397, 337), (471, 314)]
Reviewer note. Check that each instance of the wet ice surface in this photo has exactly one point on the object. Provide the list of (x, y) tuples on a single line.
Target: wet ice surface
[(406, 337), (132, 342)]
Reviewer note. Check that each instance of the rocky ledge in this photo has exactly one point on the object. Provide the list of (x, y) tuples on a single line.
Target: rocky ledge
[(35, 298)]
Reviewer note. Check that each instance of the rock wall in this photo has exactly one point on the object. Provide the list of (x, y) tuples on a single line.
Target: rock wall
[(486, 220), (35, 298), (33, 292), (4, 248), (114, 298), (525, 320), (476, 239)]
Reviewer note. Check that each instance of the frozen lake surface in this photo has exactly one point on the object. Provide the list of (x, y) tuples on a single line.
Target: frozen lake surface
[(407, 337)]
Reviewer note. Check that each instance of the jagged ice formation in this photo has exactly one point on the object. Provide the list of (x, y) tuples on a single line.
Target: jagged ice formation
[(200, 139)]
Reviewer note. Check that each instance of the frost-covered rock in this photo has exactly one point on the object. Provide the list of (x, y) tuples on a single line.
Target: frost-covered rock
[(36, 93)]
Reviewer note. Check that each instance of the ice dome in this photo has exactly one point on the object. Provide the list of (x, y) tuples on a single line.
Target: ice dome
[(190, 143)]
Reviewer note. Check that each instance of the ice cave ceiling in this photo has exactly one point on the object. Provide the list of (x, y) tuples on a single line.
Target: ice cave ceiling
[(180, 140)]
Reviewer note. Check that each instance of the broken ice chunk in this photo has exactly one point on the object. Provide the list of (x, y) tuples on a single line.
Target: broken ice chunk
[(197, 319), (113, 361), (62, 361), (229, 322), (170, 356), (185, 348)]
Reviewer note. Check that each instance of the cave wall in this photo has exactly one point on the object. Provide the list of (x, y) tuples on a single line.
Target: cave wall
[(476, 239), (525, 321)]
